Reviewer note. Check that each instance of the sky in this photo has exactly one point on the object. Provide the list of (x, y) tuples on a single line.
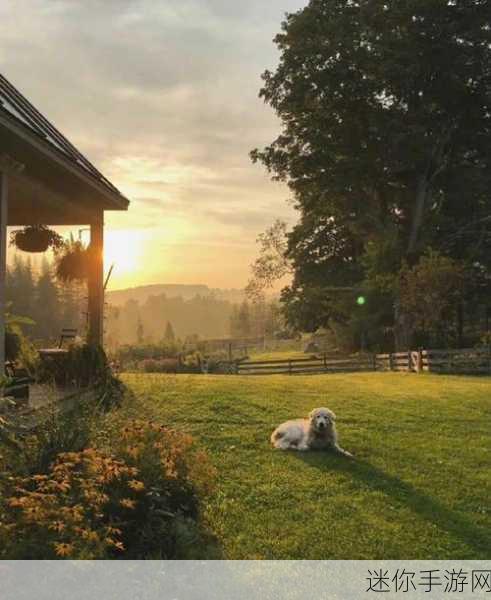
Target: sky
[(162, 96)]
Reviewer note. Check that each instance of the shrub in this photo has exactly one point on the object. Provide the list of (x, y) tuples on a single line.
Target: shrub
[(164, 365), (130, 355), (139, 499), (84, 366)]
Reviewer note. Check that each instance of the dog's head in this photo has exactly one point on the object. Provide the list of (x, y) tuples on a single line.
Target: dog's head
[(322, 419)]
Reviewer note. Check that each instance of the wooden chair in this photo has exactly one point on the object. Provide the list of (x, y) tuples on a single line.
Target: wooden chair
[(68, 333)]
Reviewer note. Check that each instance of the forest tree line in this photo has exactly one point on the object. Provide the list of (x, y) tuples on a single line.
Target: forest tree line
[(37, 294)]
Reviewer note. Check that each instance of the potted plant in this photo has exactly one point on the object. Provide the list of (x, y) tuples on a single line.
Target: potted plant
[(72, 262), (36, 238)]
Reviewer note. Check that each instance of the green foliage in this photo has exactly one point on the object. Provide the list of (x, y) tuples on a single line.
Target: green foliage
[(73, 261), (35, 238), (17, 345), (162, 365), (139, 498), (430, 293), (385, 115), (84, 366), (49, 305), (130, 355)]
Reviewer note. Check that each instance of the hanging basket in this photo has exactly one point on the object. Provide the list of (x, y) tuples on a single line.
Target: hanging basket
[(73, 262), (35, 238)]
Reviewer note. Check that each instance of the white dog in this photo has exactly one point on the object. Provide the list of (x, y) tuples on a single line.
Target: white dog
[(318, 432)]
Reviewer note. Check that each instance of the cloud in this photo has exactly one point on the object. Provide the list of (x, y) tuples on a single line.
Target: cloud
[(163, 97)]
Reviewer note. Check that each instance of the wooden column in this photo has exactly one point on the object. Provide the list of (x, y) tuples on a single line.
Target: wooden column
[(3, 263), (96, 281)]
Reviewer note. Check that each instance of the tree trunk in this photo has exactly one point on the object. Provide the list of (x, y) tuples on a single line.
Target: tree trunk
[(422, 194), (403, 331), (460, 325)]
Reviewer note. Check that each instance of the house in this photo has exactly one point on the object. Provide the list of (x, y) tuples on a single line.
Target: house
[(45, 180)]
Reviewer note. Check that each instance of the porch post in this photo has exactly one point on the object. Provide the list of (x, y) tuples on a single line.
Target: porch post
[(3, 263), (96, 281)]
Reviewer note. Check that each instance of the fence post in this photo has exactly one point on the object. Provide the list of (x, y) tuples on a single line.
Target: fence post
[(391, 361), (374, 359), (419, 361), (324, 356), (230, 351), (409, 361)]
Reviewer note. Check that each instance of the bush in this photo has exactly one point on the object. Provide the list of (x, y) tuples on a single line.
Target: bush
[(140, 499), (84, 366), (164, 365), (190, 363), (129, 356)]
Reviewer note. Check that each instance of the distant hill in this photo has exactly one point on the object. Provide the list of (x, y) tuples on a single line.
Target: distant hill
[(171, 290)]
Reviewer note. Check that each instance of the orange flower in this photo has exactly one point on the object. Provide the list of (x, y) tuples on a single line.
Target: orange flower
[(63, 549), (138, 486), (57, 526)]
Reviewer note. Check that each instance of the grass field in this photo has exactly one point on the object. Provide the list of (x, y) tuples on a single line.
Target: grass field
[(279, 355), (418, 489)]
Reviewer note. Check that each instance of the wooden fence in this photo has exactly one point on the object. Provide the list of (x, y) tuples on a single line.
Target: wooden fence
[(462, 361), (318, 364)]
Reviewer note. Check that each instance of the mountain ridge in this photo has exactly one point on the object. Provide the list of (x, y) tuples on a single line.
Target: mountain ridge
[(141, 293)]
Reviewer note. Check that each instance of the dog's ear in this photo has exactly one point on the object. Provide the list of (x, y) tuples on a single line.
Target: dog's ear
[(332, 415), (312, 413)]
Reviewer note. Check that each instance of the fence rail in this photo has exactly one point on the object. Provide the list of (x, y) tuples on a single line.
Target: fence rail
[(460, 361)]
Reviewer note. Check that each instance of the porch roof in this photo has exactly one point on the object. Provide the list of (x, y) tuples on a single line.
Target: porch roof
[(50, 181)]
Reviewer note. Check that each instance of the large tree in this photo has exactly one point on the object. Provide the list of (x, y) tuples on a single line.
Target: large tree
[(385, 113)]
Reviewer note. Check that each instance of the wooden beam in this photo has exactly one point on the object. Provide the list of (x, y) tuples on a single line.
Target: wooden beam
[(96, 281), (3, 263)]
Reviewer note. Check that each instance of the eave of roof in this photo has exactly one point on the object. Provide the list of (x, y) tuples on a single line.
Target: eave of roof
[(23, 119)]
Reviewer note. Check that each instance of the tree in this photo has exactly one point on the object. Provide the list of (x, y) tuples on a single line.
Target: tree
[(386, 128), (272, 263), (21, 286), (140, 331), (47, 315), (430, 294), (169, 335)]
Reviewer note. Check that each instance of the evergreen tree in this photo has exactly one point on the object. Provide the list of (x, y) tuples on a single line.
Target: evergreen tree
[(21, 287), (169, 336), (139, 331), (47, 314), (244, 320)]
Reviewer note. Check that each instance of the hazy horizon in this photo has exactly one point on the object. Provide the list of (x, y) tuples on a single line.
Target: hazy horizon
[(163, 99)]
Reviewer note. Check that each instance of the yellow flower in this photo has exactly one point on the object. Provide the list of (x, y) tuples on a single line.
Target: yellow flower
[(127, 503), (63, 549), (57, 526), (138, 486)]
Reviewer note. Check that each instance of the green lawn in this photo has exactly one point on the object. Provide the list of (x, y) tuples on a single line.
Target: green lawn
[(280, 355), (418, 489)]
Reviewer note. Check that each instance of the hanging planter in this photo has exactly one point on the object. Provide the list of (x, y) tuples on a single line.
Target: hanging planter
[(72, 262), (36, 238)]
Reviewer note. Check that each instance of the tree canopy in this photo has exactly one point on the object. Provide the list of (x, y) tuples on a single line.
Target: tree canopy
[(385, 113)]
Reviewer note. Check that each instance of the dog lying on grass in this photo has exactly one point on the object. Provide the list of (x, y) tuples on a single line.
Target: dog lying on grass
[(318, 432)]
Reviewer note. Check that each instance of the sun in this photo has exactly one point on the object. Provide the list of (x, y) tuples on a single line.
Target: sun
[(124, 249)]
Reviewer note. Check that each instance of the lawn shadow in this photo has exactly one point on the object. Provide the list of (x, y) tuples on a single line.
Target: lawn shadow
[(425, 506)]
